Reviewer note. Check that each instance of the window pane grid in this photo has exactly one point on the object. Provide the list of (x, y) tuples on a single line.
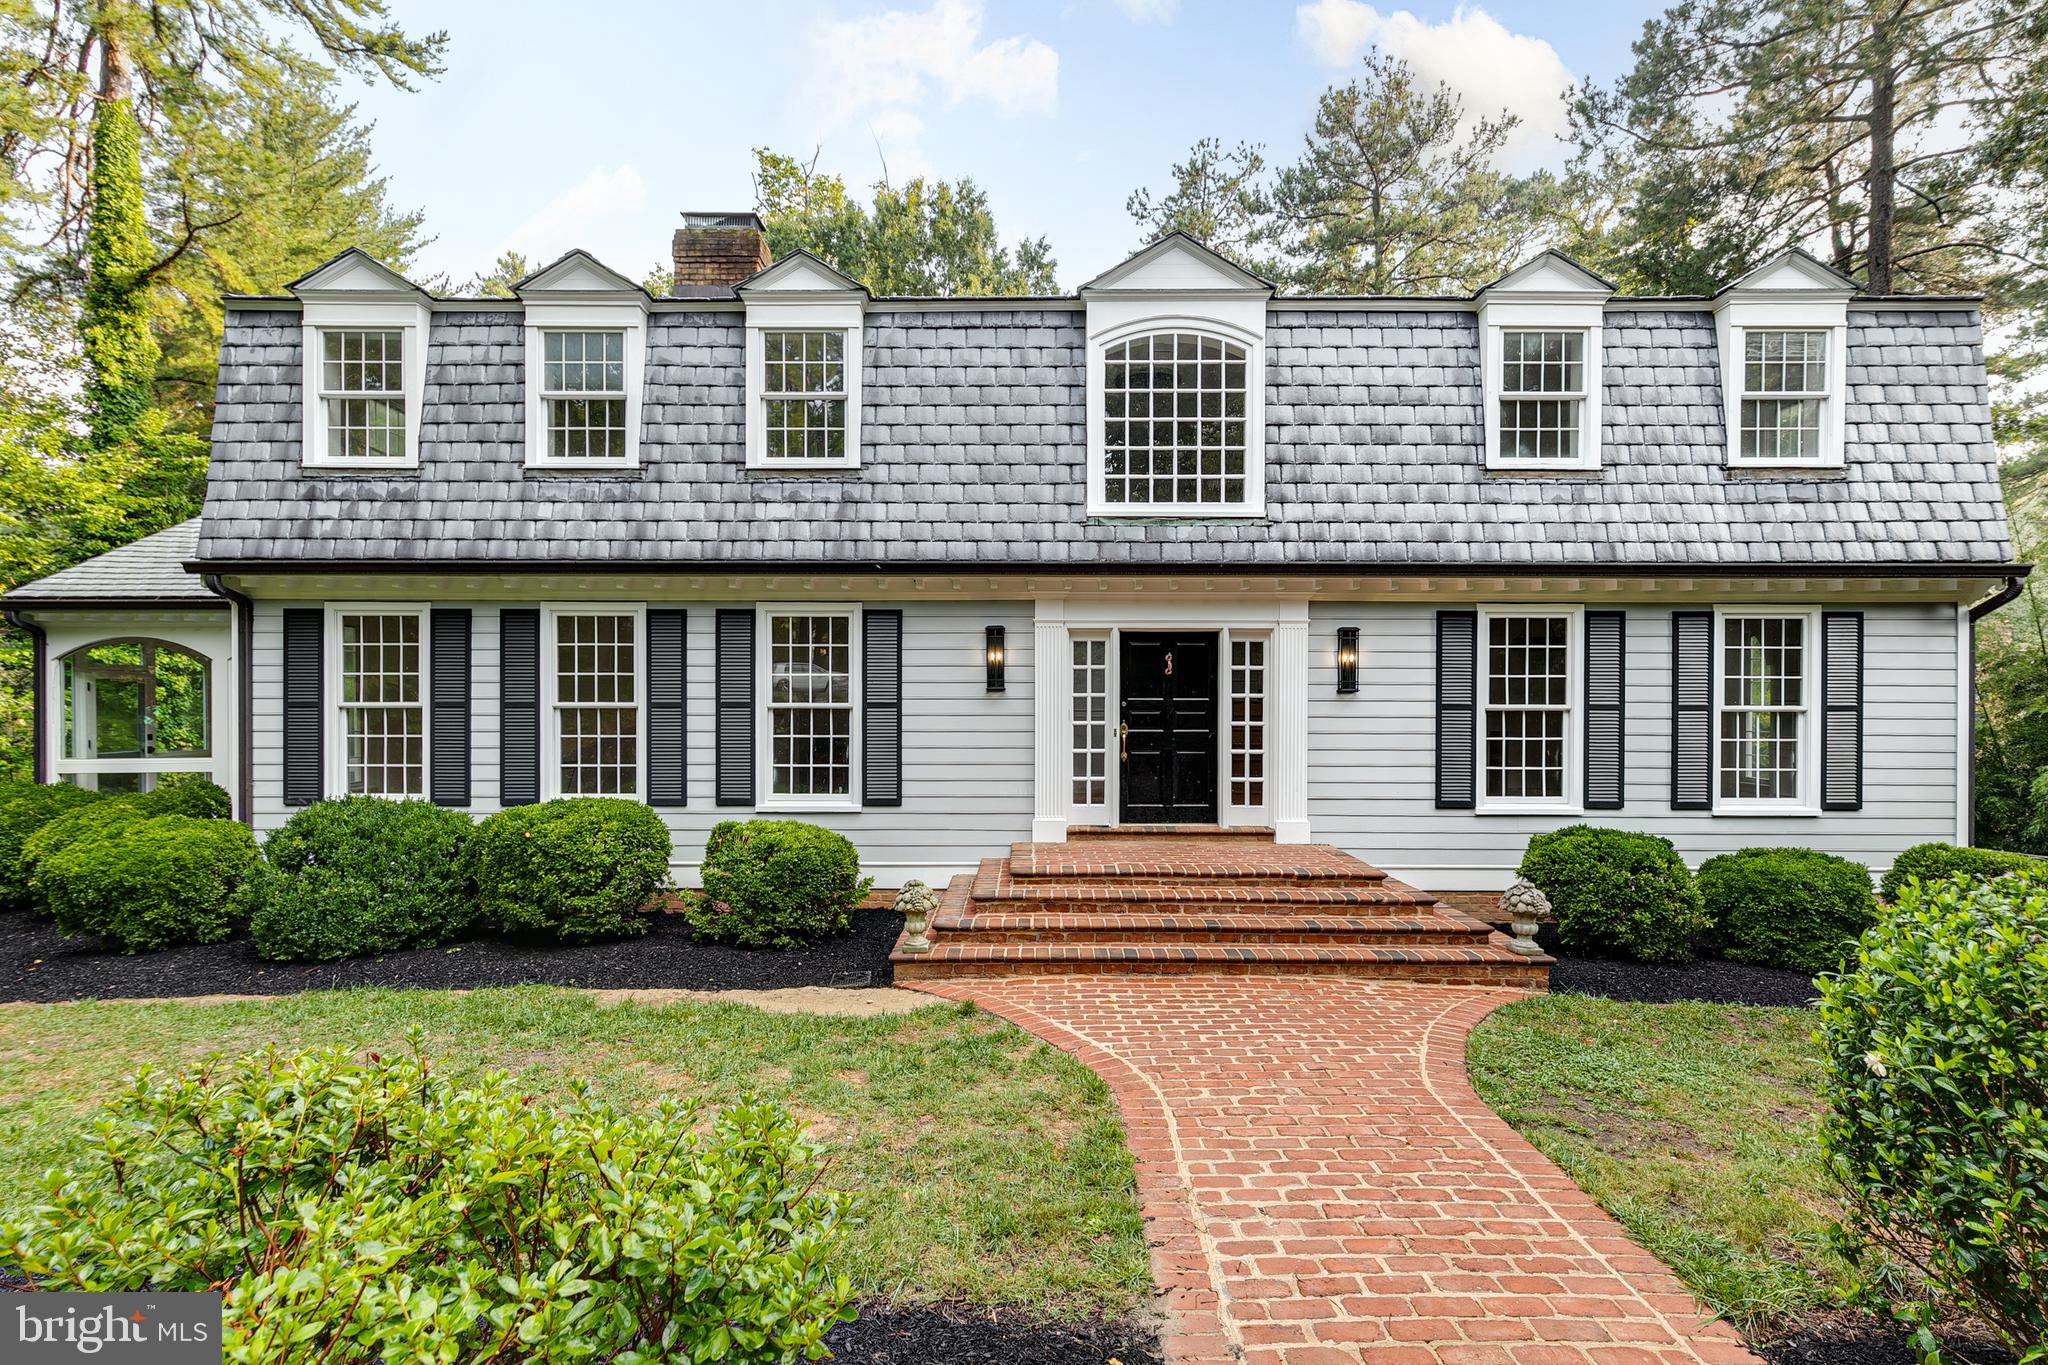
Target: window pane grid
[(597, 713), (1528, 706), (810, 704), (1541, 363), (1763, 702), (1091, 722), (804, 395), (362, 391), (1174, 421), (1784, 385), (583, 382), (1248, 723), (382, 714)]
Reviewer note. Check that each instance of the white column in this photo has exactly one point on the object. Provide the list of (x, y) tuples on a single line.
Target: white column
[(1287, 725), (1052, 684)]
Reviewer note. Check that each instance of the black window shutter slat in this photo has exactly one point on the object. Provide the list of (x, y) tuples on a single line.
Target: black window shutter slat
[(1606, 709), (881, 755), (1692, 710), (518, 706), (1457, 689), (304, 751), (735, 707), (1841, 746), (667, 776), (448, 634)]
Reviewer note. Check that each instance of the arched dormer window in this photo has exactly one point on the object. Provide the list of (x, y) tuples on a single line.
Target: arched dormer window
[(1175, 422)]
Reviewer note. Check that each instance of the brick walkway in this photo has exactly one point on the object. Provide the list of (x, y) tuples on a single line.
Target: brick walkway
[(1321, 1184)]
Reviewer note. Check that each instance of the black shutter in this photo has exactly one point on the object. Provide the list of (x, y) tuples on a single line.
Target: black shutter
[(518, 706), (735, 705), (881, 708), (448, 673), (1692, 710), (1841, 722), (304, 752), (1457, 687), (667, 778), (1606, 695)]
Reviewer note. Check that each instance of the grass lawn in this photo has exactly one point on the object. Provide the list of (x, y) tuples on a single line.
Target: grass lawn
[(993, 1168), (1692, 1124)]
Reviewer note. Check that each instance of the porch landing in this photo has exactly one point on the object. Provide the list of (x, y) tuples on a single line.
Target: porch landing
[(1231, 902)]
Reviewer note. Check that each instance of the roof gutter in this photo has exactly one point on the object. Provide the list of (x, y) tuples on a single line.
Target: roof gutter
[(245, 695), (39, 762), (2014, 585)]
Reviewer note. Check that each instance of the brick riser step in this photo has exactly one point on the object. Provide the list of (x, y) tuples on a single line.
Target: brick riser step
[(1422, 966), (995, 889), (1153, 862), (1086, 834), (1135, 927)]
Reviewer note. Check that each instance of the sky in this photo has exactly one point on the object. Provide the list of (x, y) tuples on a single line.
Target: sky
[(596, 125)]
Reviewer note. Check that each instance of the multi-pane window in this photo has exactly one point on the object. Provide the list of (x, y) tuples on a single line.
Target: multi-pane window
[(583, 386), (1091, 722), (1248, 723), (383, 709), (1542, 395), (1784, 390), (362, 391), (803, 395), (1763, 707), (810, 704), (1174, 422), (597, 704), (1528, 707)]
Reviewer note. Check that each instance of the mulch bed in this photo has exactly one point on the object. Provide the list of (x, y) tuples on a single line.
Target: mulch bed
[(1850, 1338), (1716, 982), (38, 965), (959, 1334)]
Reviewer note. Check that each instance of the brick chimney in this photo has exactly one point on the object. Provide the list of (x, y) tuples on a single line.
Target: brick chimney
[(715, 251)]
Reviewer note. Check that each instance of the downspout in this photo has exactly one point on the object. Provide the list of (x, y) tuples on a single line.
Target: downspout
[(39, 639), (2014, 586), (245, 689)]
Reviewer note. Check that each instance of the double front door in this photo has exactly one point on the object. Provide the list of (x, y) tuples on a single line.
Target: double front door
[(1167, 729)]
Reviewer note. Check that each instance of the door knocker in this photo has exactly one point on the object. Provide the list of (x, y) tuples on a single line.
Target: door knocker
[(1169, 663)]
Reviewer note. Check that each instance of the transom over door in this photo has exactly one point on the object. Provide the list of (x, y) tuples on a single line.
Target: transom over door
[(1167, 731)]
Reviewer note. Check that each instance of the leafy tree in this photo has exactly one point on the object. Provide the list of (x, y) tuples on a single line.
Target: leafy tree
[(1220, 198), (509, 269), (120, 351), (923, 237)]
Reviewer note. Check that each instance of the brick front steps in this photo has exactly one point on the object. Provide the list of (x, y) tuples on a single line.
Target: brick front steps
[(1145, 900)]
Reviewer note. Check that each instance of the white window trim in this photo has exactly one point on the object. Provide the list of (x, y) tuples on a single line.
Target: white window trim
[(764, 316), (765, 798), (1732, 325), (1586, 319), (1572, 802), (1228, 811), (413, 323), (1105, 811), (629, 318), (550, 694), (1807, 802), (1223, 328), (93, 766), (337, 751)]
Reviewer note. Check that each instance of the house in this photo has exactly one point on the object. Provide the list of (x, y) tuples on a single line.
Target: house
[(1415, 578)]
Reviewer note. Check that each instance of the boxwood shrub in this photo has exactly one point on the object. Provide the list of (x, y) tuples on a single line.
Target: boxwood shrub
[(1935, 861), (776, 884), (1936, 1090), (26, 807), (360, 875), (1617, 893), (473, 1223), (1786, 907), (143, 883), (577, 869), (98, 818)]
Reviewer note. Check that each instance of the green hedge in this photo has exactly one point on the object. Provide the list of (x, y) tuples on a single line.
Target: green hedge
[(577, 869), (1786, 907), (98, 818), (776, 884), (1936, 1086), (1617, 893), (143, 883), (472, 1222), (1934, 862), (26, 807), (358, 876)]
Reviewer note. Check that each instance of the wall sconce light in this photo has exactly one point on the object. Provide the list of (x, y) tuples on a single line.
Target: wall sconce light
[(1347, 660), (992, 650)]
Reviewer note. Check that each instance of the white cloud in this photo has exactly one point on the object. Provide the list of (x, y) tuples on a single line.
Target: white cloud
[(895, 59), (588, 214), (1471, 52), (1149, 11)]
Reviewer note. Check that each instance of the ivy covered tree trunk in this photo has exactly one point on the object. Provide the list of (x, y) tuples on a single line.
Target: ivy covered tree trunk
[(120, 351)]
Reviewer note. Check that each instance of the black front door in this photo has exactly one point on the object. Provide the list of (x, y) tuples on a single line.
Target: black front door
[(1168, 733)]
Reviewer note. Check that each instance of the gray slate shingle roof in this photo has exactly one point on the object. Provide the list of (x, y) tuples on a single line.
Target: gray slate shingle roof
[(973, 436), (147, 570)]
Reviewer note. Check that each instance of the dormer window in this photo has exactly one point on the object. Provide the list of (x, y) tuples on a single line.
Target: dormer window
[(1540, 330), (363, 365), (804, 326), (803, 396), (1174, 422), (1542, 396), (362, 394), (586, 349), (1783, 331), (583, 385)]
